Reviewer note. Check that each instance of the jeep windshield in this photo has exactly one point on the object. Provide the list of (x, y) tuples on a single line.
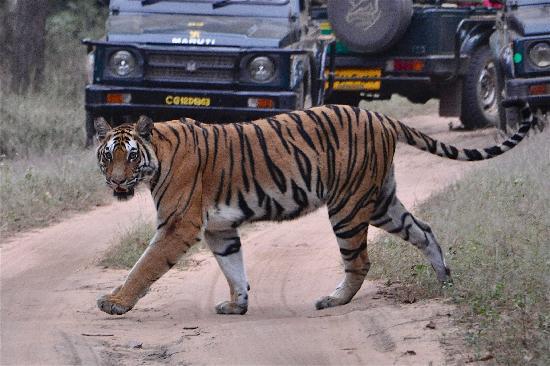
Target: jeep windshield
[(210, 30), (257, 8)]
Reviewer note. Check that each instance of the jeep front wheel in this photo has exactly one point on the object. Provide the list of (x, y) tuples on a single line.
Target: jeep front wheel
[(479, 93), (89, 129)]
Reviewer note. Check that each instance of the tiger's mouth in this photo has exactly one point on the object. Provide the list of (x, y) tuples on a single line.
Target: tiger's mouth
[(123, 194)]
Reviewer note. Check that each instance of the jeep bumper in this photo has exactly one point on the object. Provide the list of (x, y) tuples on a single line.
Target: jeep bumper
[(170, 103), (536, 91)]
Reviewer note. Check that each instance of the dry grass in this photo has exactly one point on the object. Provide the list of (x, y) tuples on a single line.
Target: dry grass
[(127, 249), (33, 125), (38, 190), (495, 229), (44, 172)]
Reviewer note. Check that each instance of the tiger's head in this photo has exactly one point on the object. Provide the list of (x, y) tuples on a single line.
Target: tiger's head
[(125, 155)]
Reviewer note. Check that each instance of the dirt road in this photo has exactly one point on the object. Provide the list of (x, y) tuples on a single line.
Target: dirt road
[(50, 280)]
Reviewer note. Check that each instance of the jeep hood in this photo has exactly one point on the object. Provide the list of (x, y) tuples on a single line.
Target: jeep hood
[(200, 30), (531, 20)]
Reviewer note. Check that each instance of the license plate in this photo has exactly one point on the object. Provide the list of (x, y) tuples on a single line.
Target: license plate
[(356, 85), (187, 100)]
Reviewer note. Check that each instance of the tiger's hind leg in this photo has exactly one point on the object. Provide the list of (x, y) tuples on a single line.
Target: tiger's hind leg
[(352, 240), (391, 216), (226, 246)]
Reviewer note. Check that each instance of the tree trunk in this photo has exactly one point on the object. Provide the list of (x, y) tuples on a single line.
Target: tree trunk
[(26, 43), (4, 37)]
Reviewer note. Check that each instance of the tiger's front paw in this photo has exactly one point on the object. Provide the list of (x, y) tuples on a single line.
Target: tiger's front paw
[(329, 302), (230, 307), (111, 305)]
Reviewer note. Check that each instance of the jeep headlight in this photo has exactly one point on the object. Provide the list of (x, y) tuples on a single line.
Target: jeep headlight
[(540, 54), (122, 63), (261, 69)]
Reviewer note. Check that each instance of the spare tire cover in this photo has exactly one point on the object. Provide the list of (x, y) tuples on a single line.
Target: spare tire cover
[(369, 25)]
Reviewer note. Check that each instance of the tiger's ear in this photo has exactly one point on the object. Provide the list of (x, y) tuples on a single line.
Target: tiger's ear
[(144, 127), (101, 127)]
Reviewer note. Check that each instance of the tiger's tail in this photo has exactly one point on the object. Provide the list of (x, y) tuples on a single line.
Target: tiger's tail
[(424, 142)]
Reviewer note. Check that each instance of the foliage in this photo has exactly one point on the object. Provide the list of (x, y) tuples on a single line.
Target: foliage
[(66, 60), (40, 40)]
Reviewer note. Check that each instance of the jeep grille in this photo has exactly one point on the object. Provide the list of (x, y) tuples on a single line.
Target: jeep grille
[(190, 67)]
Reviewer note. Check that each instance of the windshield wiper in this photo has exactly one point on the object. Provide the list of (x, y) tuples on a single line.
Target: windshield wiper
[(149, 2), (215, 5), (222, 3)]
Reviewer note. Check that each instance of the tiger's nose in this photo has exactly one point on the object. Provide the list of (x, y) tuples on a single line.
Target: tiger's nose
[(118, 181)]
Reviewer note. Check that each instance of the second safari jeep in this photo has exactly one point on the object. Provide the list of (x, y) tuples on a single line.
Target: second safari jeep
[(418, 49)]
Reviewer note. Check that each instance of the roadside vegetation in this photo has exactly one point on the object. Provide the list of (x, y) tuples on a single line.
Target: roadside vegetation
[(45, 171), (128, 247), (494, 226)]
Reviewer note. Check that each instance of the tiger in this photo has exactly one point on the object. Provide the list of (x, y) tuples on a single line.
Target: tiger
[(207, 180)]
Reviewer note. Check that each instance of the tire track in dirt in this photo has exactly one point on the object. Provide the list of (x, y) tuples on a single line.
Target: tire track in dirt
[(49, 283)]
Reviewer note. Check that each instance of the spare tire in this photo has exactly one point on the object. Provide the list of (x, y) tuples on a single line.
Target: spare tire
[(369, 25)]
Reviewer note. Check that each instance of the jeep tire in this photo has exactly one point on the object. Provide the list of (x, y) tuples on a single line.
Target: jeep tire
[(479, 92), (369, 26), (89, 129)]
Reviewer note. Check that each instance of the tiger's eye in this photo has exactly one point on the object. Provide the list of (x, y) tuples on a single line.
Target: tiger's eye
[(108, 155), (133, 155)]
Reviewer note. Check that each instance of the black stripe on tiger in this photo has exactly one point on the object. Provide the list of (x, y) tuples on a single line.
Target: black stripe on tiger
[(276, 173), (352, 254), (233, 246)]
